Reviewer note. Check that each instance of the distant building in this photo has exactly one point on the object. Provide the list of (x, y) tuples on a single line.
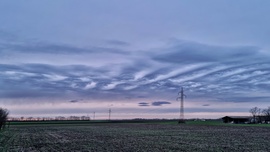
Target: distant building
[(237, 119)]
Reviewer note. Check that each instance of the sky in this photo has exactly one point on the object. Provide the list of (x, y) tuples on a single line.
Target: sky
[(67, 57)]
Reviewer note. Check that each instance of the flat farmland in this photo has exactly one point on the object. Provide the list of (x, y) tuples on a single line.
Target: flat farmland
[(134, 137)]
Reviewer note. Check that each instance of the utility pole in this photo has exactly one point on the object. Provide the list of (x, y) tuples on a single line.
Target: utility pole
[(110, 113), (181, 96)]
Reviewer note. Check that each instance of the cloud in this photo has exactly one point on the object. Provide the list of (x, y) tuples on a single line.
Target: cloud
[(190, 52), (111, 85), (142, 75), (143, 104), (247, 98), (48, 48), (175, 73), (76, 100), (206, 105), (73, 101), (141, 96), (90, 85), (117, 43), (55, 77), (155, 103), (6, 37), (160, 103)]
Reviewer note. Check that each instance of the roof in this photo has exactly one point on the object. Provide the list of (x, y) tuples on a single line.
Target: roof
[(238, 117)]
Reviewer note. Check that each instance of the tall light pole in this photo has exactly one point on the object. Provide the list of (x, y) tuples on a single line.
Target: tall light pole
[(181, 96), (110, 113)]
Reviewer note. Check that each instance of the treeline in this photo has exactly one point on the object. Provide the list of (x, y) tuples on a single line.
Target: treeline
[(50, 118), (260, 115)]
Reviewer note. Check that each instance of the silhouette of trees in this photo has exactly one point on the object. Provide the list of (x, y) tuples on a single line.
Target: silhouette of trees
[(255, 112), (266, 113), (260, 115), (3, 117)]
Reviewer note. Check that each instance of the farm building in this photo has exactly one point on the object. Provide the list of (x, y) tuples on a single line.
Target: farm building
[(236, 119)]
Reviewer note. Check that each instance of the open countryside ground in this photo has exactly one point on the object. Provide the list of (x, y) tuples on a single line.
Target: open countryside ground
[(134, 137)]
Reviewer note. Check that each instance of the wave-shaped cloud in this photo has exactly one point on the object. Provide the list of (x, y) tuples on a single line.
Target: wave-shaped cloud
[(203, 70)]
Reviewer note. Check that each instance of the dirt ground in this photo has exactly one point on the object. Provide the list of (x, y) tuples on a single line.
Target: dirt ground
[(134, 137)]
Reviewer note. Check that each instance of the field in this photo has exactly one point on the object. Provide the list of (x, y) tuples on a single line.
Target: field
[(134, 137)]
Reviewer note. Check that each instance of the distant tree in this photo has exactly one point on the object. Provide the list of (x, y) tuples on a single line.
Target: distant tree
[(260, 116), (266, 113), (255, 112), (3, 117)]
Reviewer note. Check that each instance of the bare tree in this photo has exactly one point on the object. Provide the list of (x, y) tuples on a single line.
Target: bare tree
[(3, 117), (260, 116), (266, 113), (255, 112)]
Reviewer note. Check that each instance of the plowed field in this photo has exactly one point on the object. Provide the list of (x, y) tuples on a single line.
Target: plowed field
[(134, 137)]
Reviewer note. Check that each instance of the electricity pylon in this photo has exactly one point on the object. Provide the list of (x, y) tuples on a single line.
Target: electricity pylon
[(181, 97)]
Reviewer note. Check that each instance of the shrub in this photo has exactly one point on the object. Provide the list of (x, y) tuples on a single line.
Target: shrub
[(3, 117)]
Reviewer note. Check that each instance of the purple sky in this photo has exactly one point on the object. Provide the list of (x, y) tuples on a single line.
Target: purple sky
[(62, 58)]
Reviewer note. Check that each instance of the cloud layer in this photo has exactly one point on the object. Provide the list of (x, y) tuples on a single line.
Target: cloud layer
[(135, 54), (235, 74)]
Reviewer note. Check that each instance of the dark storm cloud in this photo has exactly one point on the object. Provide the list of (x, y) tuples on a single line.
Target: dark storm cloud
[(190, 52), (160, 103)]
